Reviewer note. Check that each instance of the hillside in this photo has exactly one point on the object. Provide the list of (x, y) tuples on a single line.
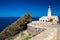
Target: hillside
[(15, 27)]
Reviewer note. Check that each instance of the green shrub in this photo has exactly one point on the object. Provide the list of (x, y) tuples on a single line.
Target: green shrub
[(10, 38), (58, 22), (25, 37)]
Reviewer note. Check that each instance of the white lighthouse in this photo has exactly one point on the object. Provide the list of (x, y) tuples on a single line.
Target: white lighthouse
[(49, 17), (49, 11)]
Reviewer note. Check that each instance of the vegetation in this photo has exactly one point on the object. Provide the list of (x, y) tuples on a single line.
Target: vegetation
[(25, 37), (59, 21), (10, 38), (15, 27)]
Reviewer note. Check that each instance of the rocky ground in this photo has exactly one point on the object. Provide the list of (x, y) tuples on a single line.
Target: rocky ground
[(47, 25), (18, 37), (58, 29)]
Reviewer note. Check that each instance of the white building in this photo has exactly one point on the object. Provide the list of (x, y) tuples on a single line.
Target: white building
[(49, 18)]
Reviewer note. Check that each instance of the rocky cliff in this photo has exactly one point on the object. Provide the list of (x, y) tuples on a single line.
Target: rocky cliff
[(15, 27)]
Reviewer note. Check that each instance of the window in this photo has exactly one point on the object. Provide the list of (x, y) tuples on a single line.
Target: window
[(46, 20), (41, 20)]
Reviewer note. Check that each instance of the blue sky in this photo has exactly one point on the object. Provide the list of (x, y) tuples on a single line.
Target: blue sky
[(37, 8)]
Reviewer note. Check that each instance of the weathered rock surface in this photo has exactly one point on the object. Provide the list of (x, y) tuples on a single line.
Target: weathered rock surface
[(49, 34), (35, 30), (43, 31)]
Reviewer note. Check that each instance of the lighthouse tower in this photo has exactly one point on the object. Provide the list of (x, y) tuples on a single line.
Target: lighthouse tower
[(49, 11)]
